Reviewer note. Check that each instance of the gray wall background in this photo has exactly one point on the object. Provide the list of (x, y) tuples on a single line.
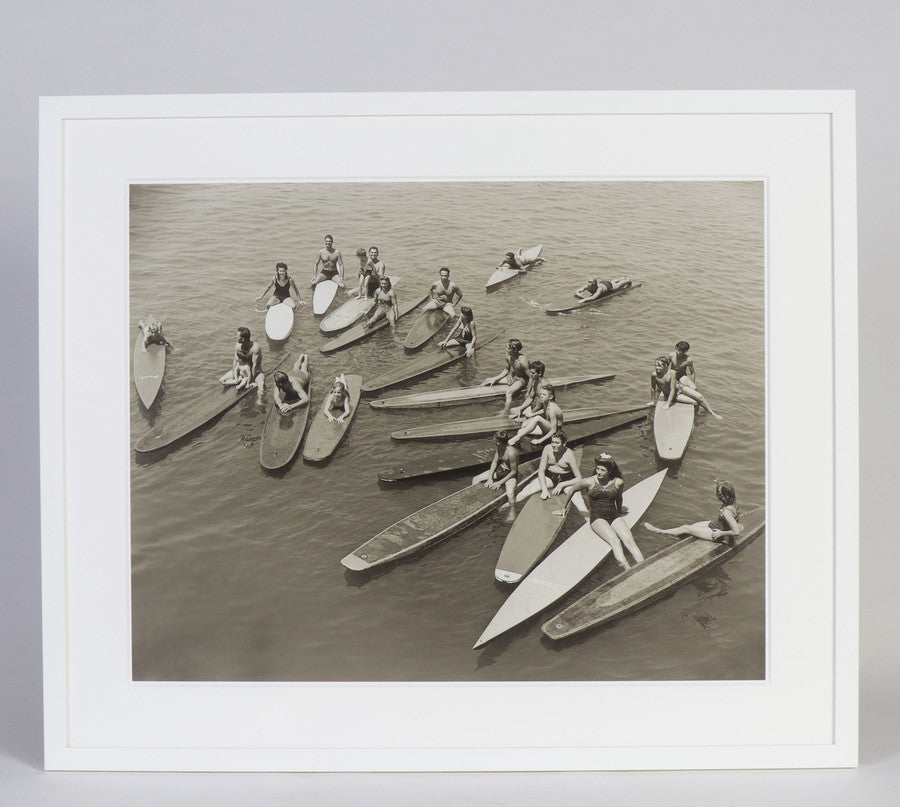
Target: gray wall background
[(194, 46)]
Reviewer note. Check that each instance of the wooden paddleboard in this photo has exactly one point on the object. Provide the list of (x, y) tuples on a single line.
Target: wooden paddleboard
[(528, 256), (282, 435), (672, 429), (345, 315), (487, 425), (534, 530), (431, 524), (571, 303), (458, 458), (323, 295), (279, 322), (656, 577), (464, 395), (148, 368), (567, 565), (325, 436), (360, 331), (424, 328), (409, 370)]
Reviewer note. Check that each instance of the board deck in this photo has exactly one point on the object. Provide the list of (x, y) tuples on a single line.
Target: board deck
[(323, 296), (279, 322), (425, 327), (349, 312), (672, 429), (568, 564), (431, 524), (325, 436), (638, 587), (572, 303), (148, 369), (282, 435), (502, 275), (464, 395), (359, 331)]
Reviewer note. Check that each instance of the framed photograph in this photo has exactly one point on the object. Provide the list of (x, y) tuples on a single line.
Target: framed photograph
[(444, 432)]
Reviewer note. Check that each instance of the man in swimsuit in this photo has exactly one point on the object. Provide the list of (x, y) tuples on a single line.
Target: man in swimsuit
[(445, 294), (515, 373), (536, 372), (595, 288), (685, 379), (246, 352), (331, 262), (291, 389), (375, 265), (503, 471)]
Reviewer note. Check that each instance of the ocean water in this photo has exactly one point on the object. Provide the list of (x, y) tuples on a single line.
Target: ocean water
[(236, 571)]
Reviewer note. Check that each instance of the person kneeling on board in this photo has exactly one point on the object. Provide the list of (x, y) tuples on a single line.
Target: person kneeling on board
[(503, 471), (595, 288), (291, 389), (722, 529)]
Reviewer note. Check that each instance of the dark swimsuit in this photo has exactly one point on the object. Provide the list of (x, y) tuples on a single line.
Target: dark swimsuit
[(555, 477), (155, 339), (606, 502), (289, 394), (465, 335), (720, 523), (283, 292)]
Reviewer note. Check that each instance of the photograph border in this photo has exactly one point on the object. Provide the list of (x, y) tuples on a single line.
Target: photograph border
[(66, 291)]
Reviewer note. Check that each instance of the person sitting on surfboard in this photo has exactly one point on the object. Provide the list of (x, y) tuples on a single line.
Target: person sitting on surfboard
[(246, 353), (371, 270), (558, 466), (515, 373), (332, 264), (664, 379), (385, 304), (462, 332), (514, 260), (336, 406), (545, 421), (445, 294), (604, 490), (291, 389), (503, 470), (153, 335), (282, 285), (595, 288), (722, 529), (536, 370)]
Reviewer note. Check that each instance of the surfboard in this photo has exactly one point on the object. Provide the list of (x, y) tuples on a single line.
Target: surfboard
[(566, 566), (279, 322), (462, 458), (528, 256), (325, 436), (424, 328), (148, 368), (431, 524), (409, 370), (571, 303), (672, 429), (323, 295), (464, 395), (487, 425), (282, 435), (641, 585), (534, 530), (360, 331), (345, 315)]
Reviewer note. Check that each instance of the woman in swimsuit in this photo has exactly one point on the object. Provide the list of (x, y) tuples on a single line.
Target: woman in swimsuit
[(546, 421), (503, 471), (336, 405), (385, 304), (604, 489), (282, 285), (722, 529), (462, 332), (558, 467), (596, 288), (665, 386), (291, 388), (153, 335)]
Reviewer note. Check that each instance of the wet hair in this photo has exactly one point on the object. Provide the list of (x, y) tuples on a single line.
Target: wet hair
[(538, 366), (279, 377), (502, 438), (374, 247), (725, 492), (561, 435), (444, 269), (339, 383), (511, 255), (550, 389), (609, 463), (361, 253), (683, 346), (385, 279), (281, 265), (515, 344), (664, 359), (466, 311), (329, 235), (244, 332)]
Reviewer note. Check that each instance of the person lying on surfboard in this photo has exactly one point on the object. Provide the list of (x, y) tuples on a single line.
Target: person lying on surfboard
[(445, 294), (332, 264), (664, 385), (462, 332), (595, 288), (153, 335), (722, 529), (514, 260), (385, 304), (282, 285), (503, 470), (558, 466), (604, 490), (336, 406), (246, 352), (536, 370), (544, 422), (292, 388), (514, 374)]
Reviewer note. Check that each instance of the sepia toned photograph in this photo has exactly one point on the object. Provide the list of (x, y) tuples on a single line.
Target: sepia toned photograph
[(469, 431)]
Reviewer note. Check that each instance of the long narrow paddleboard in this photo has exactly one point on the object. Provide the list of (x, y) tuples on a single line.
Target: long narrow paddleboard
[(641, 585), (279, 322), (672, 429), (571, 303), (323, 295), (360, 331), (480, 426), (148, 367), (431, 524), (464, 395), (424, 328), (345, 315), (567, 565), (282, 435), (409, 370), (458, 458), (325, 436), (528, 256), (534, 530)]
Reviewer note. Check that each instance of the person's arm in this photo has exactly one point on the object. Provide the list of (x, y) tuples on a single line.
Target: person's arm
[(553, 417), (345, 414), (527, 401), (326, 407), (394, 306), (513, 458), (339, 262), (672, 388), (689, 370), (571, 489), (301, 391), (542, 471), (734, 527), (470, 347), (653, 392), (455, 295), (266, 290), (489, 382), (576, 471), (315, 273), (255, 361), (297, 292), (456, 327)]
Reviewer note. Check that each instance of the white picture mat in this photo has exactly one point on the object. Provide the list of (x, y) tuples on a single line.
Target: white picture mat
[(804, 714)]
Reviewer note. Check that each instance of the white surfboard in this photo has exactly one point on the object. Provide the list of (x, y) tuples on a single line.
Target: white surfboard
[(672, 429), (279, 322), (323, 296)]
